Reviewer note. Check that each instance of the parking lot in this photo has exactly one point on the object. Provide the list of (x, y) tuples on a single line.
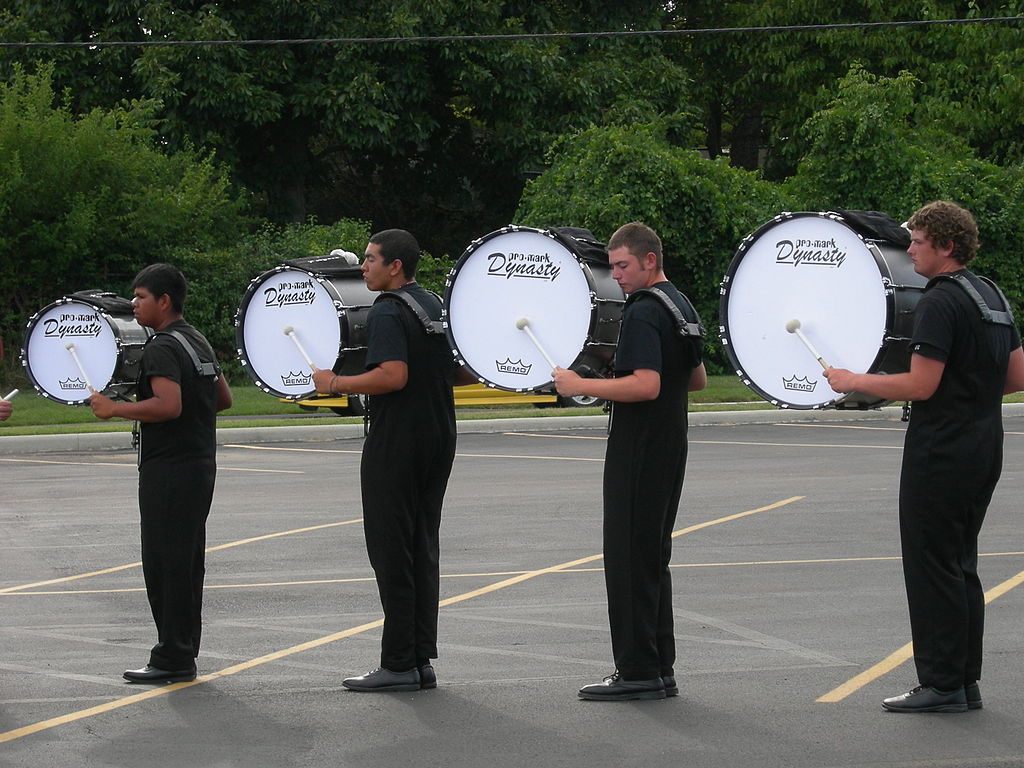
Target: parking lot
[(790, 612)]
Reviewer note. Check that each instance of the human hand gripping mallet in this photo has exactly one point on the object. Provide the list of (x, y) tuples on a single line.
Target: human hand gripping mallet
[(523, 324), (289, 331), (70, 347), (793, 326)]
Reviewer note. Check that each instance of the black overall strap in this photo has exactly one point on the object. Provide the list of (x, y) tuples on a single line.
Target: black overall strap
[(432, 327), (202, 369), (989, 315), (685, 328)]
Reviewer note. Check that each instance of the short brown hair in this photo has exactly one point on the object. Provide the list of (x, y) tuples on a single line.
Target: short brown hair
[(638, 239), (947, 224)]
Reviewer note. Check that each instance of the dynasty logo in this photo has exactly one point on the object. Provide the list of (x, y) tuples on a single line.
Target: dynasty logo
[(289, 294), (799, 384), (80, 326), (535, 266), (292, 379), (518, 367), (809, 253)]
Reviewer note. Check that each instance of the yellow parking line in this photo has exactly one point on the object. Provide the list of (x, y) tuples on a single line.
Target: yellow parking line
[(110, 706), (896, 658), (217, 548), (133, 465)]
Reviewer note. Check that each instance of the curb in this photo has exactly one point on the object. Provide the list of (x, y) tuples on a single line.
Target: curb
[(121, 441)]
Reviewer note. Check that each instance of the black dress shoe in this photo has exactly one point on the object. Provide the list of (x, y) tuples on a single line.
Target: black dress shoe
[(428, 679), (382, 679), (973, 694), (669, 681), (927, 699), (614, 688), (151, 674)]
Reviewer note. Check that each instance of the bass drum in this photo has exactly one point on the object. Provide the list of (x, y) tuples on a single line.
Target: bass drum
[(324, 303), (854, 299), (572, 305), (104, 335)]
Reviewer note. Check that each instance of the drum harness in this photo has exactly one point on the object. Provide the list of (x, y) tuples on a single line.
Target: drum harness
[(202, 370), (684, 328), (971, 299), (432, 328)]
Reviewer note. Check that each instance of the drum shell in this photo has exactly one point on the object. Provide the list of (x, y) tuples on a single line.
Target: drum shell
[(583, 289), (872, 302), (331, 326), (110, 350)]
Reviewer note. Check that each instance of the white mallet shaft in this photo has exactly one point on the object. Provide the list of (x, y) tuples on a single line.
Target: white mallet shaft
[(70, 347), (10, 395), (290, 333), (793, 326), (523, 324)]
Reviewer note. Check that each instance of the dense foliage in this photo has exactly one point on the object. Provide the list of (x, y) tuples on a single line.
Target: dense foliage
[(86, 200), (218, 157), (604, 177)]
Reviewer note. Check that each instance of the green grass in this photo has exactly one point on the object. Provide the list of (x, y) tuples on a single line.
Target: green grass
[(36, 415)]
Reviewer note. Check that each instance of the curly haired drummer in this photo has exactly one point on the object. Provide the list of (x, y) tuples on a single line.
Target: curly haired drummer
[(966, 353), (409, 379), (180, 392), (644, 465)]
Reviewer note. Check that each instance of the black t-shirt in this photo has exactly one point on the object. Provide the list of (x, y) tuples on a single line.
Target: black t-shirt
[(192, 435), (961, 423), (649, 340), (425, 406)]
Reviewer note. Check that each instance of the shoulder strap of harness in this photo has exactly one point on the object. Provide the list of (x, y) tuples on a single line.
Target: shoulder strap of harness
[(430, 326), (989, 315), (685, 328), (202, 369)]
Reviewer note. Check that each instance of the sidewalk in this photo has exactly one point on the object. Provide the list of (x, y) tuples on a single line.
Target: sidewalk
[(121, 441)]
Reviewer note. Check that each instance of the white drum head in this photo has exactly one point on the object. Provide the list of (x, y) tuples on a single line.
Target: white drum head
[(279, 299), (814, 269), (50, 365), (511, 274)]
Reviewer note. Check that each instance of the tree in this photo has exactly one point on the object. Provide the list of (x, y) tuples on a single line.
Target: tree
[(86, 201), (603, 177), (756, 88), (437, 138), (882, 144)]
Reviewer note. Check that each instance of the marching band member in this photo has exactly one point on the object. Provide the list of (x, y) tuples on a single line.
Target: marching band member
[(966, 353), (644, 464), (407, 459), (180, 392)]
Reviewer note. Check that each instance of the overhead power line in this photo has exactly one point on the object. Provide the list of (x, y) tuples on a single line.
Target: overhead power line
[(523, 36)]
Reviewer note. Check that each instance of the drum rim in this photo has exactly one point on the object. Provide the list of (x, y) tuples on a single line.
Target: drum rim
[(885, 274), (449, 283), (33, 321), (340, 309)]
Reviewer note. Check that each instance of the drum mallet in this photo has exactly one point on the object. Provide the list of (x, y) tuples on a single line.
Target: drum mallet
[(523, 324), (793, 326), (10, 395), (70, 347), (290, 333)]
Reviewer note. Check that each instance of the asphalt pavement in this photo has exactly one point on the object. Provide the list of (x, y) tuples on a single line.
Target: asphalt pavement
[(790, 612)]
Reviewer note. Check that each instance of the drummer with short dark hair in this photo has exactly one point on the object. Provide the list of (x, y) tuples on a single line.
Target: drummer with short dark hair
[(407, 458), (966, 353), (655, 368), (180, 391)]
